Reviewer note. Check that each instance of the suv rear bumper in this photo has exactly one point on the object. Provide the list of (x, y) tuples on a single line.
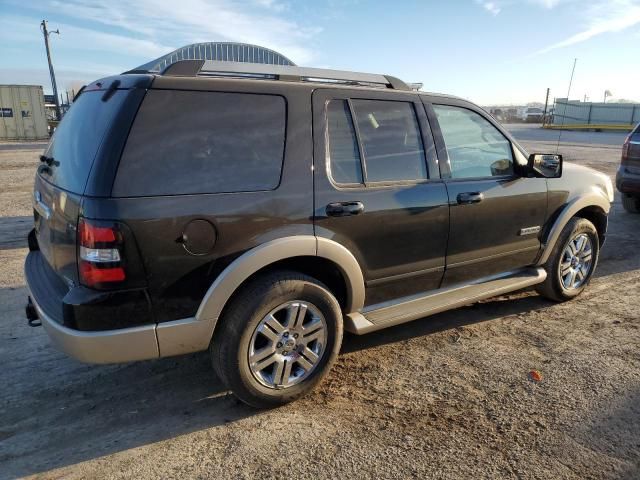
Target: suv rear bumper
[(81, 308), (110, 346), (627, 182), (57, 308)]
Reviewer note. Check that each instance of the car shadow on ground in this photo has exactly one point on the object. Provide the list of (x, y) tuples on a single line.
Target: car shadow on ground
[(61, 412), (90, 411), (56, 412), (619, 253), (526, 301), (14, 231)]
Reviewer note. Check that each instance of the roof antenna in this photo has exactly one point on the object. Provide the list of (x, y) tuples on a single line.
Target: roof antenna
[(564, 112)]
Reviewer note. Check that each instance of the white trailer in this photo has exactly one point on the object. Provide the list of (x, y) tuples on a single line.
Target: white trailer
[(22, 115)]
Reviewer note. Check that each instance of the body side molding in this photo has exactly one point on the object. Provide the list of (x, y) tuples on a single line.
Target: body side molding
[(594, 198)]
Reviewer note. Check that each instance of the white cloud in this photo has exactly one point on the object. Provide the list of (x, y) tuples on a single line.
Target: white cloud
[(65, 78), (271, 4), (86, 39), (161, 22), (546, 3), (604, 17), (491, 7), (496, 6), (21, 30)]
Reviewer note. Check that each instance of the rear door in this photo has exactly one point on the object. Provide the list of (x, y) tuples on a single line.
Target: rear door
[(377, 188), (496, 215)]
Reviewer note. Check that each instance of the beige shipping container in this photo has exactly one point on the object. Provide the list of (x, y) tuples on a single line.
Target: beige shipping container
[(22, 115)]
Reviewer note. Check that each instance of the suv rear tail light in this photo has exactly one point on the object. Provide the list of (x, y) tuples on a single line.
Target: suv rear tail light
[(625, 149), (100, 257)]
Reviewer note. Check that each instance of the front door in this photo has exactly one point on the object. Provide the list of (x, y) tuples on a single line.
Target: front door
[(496, 215), (377, 189)]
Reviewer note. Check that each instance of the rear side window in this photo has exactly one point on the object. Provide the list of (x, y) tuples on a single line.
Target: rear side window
[(391, 140), (343, 145), (76, 140), (203, 142), (392, 148)]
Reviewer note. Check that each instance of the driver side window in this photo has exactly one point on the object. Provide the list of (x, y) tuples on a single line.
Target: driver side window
[(475, 147)]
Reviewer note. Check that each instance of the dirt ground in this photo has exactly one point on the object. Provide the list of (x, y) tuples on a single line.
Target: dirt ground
[(443, 397)]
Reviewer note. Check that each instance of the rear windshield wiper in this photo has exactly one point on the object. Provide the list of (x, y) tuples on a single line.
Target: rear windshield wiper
[(49, 161)]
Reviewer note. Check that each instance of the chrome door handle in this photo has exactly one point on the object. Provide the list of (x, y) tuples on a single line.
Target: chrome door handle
[(470, 197), (344, 209)]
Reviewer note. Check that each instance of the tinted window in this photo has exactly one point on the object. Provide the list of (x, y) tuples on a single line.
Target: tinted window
[(343, 146), (203, 142), (391, 140), (475, 147), (75, 142)]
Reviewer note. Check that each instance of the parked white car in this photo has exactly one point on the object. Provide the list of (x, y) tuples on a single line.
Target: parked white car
[(531, 114)]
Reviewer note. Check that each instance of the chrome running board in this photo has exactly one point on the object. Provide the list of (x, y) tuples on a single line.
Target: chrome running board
[(411, 308)]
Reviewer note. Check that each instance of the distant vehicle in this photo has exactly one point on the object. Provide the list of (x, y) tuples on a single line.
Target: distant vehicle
[(628, 176), (531, 115), (168, 220), (510, 115), (498, 114)]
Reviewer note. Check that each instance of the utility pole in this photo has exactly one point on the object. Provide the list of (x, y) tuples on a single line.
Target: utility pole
[(546, 104), (43, 27)]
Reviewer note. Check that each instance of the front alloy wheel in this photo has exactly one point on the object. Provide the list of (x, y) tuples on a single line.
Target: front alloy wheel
[(572, 261), (577, 259)]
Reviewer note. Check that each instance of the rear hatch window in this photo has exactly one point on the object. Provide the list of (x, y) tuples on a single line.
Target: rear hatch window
[(62, 179), (76, 141)]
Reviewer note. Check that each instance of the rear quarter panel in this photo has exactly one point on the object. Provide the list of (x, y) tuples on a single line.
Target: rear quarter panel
[(177, 280)]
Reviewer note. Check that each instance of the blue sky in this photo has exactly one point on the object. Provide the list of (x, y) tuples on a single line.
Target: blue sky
[(498, 51)]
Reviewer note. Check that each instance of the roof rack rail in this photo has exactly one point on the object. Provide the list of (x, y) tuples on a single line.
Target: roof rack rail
[(214, 68)]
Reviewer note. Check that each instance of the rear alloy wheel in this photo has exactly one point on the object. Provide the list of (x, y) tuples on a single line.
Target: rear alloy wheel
[(630, 203), (572, 261), (287, 344), (277, 339)]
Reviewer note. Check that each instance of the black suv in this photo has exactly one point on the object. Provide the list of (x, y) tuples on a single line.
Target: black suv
[(259, 210), (628, 176)]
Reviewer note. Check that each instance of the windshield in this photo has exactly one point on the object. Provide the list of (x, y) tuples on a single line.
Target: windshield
[(73, 147)]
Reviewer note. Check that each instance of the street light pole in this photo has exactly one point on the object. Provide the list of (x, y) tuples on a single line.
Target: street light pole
[(43, 27)]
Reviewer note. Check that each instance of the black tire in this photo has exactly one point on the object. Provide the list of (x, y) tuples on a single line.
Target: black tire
[(232, 339), (553, 288), (630, 203)]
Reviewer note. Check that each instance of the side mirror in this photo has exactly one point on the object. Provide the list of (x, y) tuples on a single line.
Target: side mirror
[(545, 165)]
